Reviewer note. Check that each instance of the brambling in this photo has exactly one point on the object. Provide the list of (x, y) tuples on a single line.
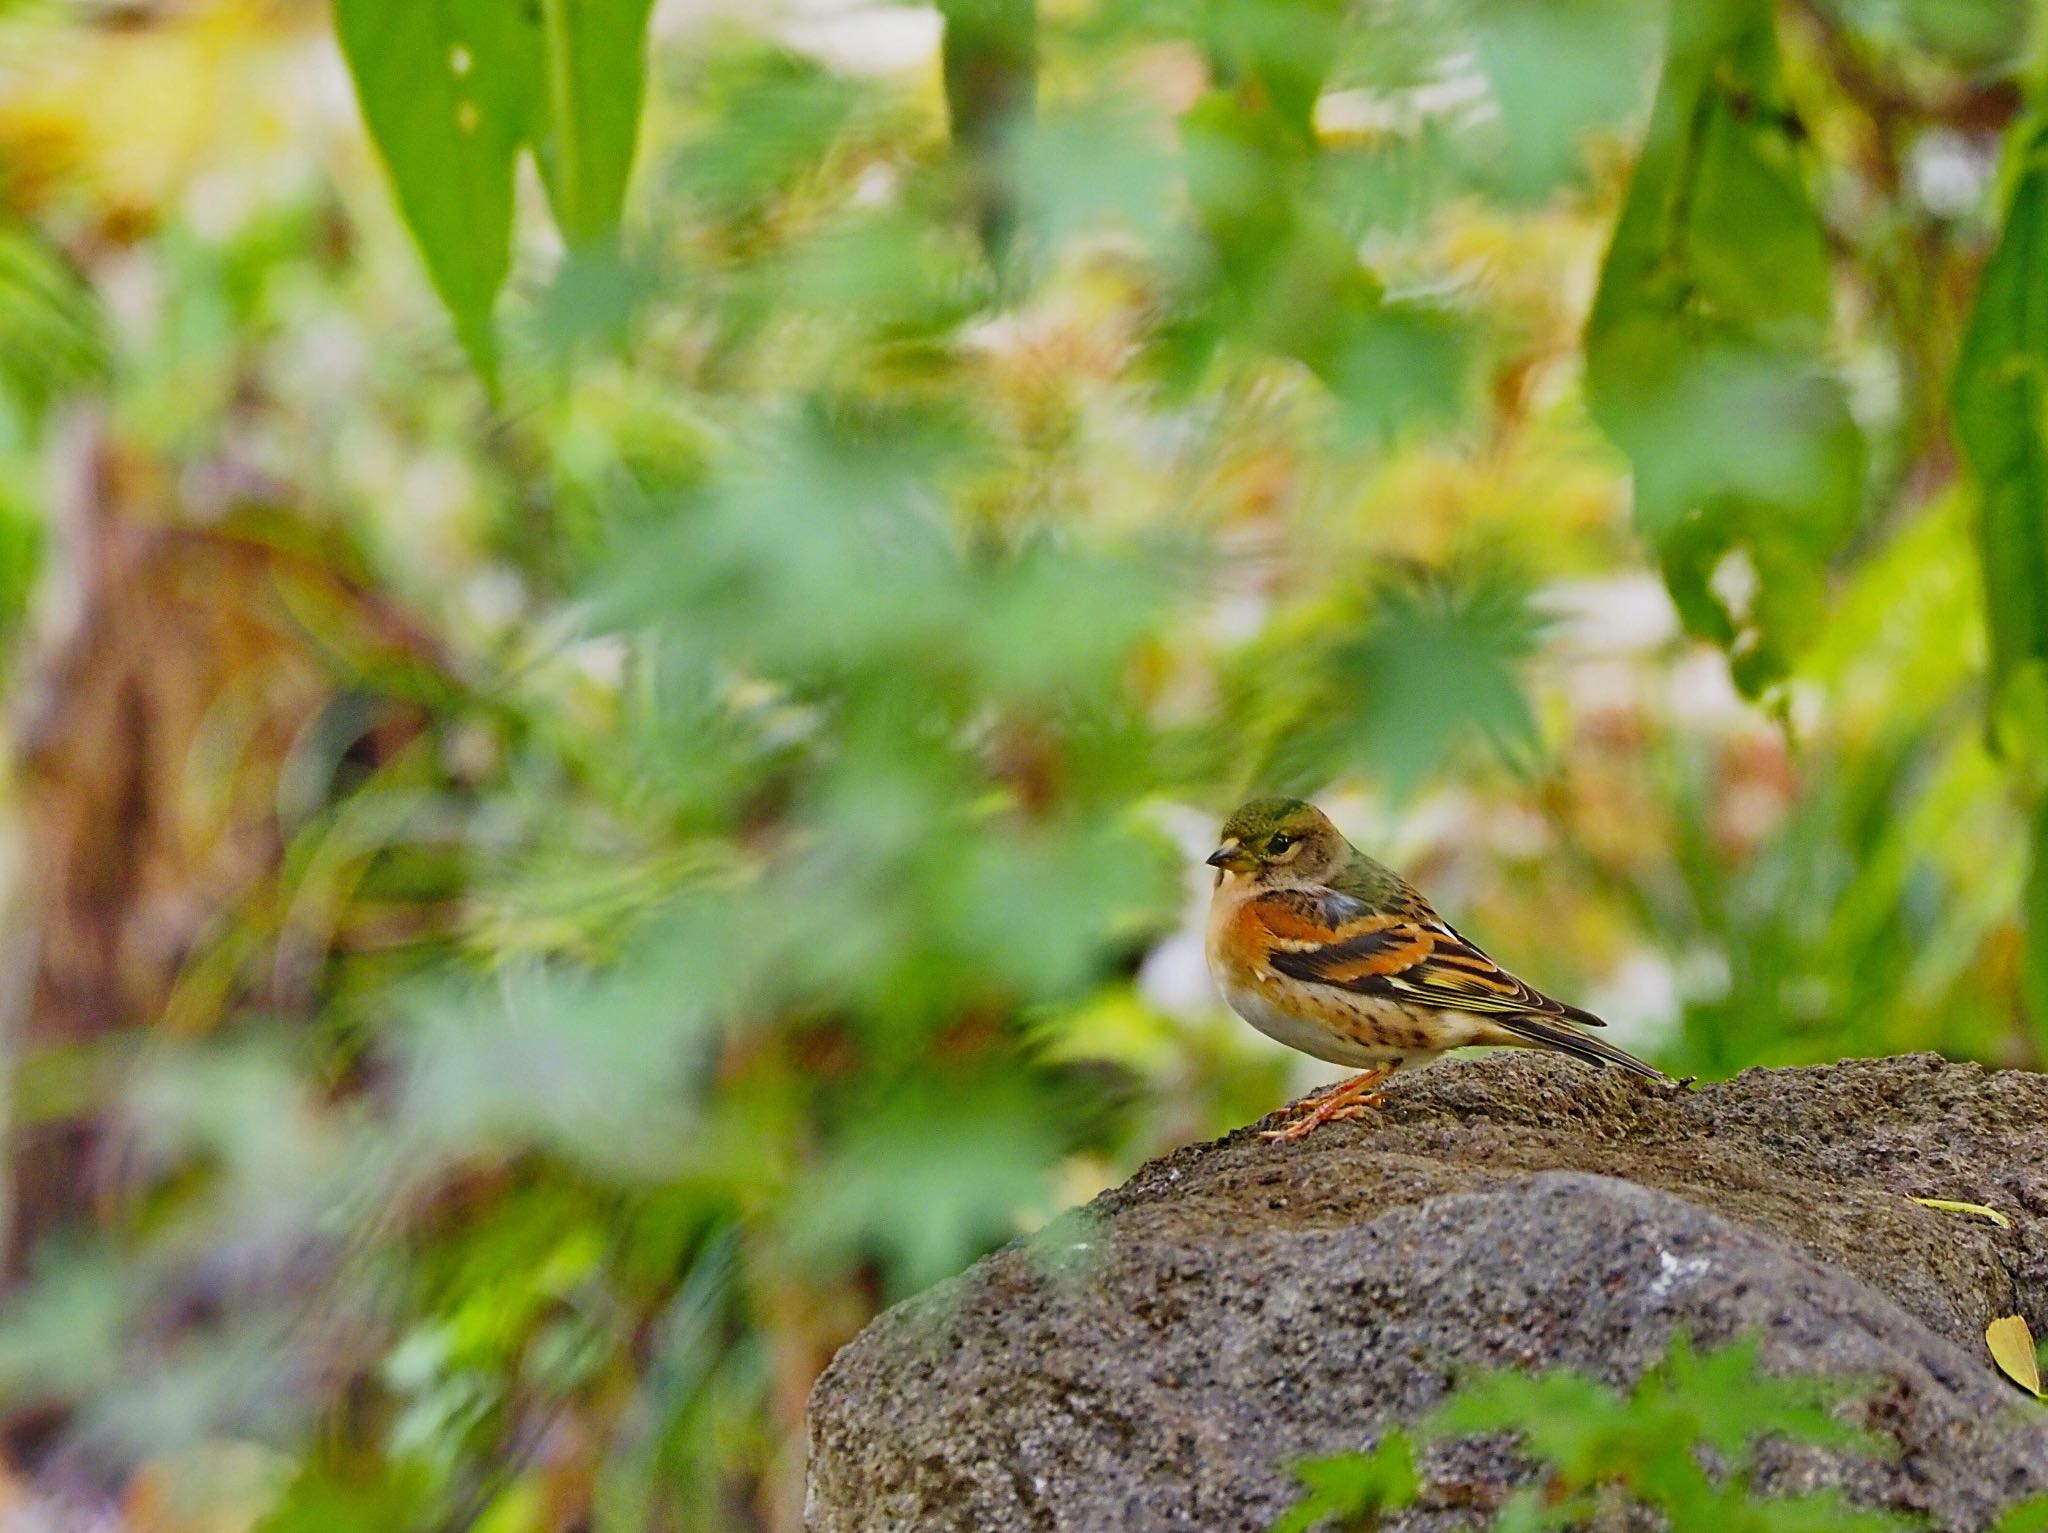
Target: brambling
[(1320, 947)]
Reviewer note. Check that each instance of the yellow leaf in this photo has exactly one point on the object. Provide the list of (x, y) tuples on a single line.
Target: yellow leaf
[(2012, 1348), (1949, 1206)]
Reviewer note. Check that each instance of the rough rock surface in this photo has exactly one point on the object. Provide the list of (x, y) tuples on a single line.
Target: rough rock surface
[(1158, 1359)]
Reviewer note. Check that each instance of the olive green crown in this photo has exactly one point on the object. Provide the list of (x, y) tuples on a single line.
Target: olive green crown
[(1255, 822)]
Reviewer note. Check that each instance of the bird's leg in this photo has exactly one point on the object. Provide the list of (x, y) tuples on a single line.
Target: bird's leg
[(1346, 1099)]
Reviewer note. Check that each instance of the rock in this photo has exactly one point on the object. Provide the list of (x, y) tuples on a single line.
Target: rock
[(1158, 1359)]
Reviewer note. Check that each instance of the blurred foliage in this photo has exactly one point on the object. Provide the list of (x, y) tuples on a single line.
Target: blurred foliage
[(876, 486), (1705, 347), (1682, 1443)]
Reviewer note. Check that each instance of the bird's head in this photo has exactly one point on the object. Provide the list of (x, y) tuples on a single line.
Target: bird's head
[(1280, 842)]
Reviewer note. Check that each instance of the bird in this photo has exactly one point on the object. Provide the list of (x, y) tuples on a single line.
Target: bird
[(1331, 953)]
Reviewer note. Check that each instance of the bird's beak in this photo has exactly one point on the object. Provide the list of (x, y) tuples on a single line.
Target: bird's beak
[(1229, 855)]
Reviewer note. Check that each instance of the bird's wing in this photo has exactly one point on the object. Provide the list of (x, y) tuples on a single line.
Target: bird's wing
[(1327, 937)]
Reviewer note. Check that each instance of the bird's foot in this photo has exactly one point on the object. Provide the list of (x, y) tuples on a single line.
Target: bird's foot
[(1347, 1099), (1309, 1122)]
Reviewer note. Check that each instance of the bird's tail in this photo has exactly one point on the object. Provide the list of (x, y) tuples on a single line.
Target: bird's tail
[(1531, 1031)]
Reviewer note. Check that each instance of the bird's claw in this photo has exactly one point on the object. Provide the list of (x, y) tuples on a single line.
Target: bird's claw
[(1293, 1131), (1308, 1120)]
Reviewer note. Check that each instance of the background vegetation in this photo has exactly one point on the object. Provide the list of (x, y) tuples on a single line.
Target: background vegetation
[(623, 626)]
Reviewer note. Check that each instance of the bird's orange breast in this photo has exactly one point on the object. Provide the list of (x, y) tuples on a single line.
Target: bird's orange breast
[(1246, 931), (1239, 938)]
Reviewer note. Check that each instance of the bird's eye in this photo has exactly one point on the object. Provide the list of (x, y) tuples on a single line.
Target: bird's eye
[(1279, 843)]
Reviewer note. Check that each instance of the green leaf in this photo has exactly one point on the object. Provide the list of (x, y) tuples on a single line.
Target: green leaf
[(929, 1176), (324, 1498), (1731, 1403), (1129, 182), (453, 90), (772, 119), (1975, 34), (1396, 365), (1559, 69), (1275, 53), (1826, 1512), (1526, 1512), (2027, 1517), (1705, 349), (1565, 1419), (1431, 667), (596, 75), (449, 91), (1354, 1487), (2034, 964), (1651, 1448), (2001, 412)]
